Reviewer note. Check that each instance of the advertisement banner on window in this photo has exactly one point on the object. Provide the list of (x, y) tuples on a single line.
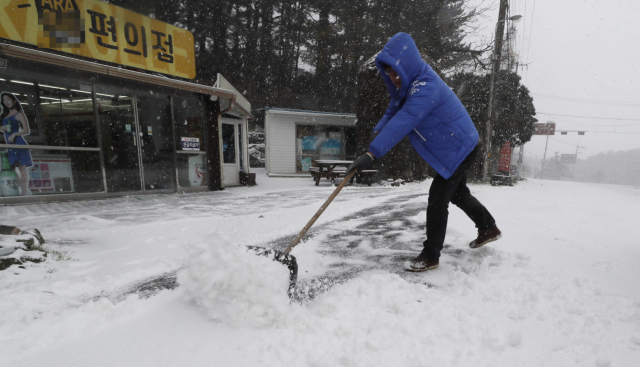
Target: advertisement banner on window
[(196, 171), (51, 175), (15, 161), (101, 31)]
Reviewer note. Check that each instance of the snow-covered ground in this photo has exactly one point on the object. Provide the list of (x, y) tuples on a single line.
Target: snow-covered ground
[(164, 280)]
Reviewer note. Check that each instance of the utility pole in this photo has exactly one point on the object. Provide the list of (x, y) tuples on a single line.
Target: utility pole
[(544, 157), (495, 66), (574, 165), (577, 147)]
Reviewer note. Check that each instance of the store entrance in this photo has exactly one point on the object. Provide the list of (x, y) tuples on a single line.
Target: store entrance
[(232, 148), (155, 135), (137, 140), (116, 111)]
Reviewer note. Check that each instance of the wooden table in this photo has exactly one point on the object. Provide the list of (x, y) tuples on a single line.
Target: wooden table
[(329, 168)]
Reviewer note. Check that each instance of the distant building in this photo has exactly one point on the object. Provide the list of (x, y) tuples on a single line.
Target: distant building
[(296, 139)]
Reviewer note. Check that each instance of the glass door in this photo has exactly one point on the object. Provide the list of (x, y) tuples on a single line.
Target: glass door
[(119, 132), (156, 142), (230, 154), (137, 139)]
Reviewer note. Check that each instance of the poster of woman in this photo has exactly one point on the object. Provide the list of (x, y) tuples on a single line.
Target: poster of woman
[(15, 126)]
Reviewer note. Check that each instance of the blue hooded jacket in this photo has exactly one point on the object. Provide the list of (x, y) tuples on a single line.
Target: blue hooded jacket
[(424, 108)]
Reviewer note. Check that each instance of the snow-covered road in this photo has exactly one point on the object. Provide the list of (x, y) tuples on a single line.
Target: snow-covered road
[(560, 288)]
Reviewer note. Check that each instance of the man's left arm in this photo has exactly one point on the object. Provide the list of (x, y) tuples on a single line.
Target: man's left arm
[(417, 106)]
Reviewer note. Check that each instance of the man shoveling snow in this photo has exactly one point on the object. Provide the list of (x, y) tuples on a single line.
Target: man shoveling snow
[(424, 108)]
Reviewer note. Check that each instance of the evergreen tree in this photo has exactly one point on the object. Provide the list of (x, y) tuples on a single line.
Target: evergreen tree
[(514, 110), (306, 54)]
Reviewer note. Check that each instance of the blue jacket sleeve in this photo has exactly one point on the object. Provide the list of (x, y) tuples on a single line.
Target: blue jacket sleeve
[(417, 106), (391, 111)]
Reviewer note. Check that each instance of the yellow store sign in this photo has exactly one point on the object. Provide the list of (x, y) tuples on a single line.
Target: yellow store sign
[(100, 31)]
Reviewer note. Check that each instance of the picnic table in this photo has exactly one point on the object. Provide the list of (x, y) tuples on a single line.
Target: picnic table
[(332, 169), (329, 168)]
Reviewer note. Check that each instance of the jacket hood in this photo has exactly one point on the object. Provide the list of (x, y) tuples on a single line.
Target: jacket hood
[(401, 53)]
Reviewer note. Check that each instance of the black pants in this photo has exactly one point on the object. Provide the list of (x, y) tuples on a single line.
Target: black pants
[(454, 190)]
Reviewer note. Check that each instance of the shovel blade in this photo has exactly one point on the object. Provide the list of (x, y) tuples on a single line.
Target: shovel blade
[(285, 259)]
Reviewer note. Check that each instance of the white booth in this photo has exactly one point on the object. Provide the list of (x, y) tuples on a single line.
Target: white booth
[(295, 139)]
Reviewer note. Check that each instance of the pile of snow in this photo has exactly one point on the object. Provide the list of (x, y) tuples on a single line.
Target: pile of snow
[(233, 285)]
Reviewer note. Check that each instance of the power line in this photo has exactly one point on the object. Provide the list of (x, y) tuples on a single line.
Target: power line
[(588, 117), (524, 25), (563, 142), (614, 132), (530, 32), (584, 100), (535, 155)]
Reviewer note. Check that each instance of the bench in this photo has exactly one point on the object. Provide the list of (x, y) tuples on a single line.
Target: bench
[(317, 174), (333, 168), (366, 175)]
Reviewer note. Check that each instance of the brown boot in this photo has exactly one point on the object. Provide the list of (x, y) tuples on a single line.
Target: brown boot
[(485, 237), (421, 264)]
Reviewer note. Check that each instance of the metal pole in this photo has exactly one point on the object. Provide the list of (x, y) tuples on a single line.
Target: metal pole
[(485, 168)]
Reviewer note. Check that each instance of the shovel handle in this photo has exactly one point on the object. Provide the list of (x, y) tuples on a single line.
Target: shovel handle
[(320, 211)]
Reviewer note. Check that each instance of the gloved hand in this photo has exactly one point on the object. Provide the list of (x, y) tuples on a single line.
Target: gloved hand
[(373, 136), (361, 162)]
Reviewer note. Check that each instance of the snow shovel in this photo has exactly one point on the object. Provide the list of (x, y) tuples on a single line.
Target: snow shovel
[(289, 260)]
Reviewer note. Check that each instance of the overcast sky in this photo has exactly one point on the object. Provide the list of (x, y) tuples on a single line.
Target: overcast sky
[(583, 60)]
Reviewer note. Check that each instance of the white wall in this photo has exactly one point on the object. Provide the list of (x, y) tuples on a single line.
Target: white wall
[(280, 127)]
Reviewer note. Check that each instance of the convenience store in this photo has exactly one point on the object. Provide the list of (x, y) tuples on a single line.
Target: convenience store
[(101, 97)]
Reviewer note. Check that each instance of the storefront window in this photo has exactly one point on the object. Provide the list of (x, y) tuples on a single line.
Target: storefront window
[(189, 126), (315, 142), (189, 117), (50, 144), (67, 117)]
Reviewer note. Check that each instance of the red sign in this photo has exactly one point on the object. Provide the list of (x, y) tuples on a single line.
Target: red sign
[(504, 161), (545, 129)]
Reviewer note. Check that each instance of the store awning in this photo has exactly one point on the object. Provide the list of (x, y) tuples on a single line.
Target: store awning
[(92, 67)]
